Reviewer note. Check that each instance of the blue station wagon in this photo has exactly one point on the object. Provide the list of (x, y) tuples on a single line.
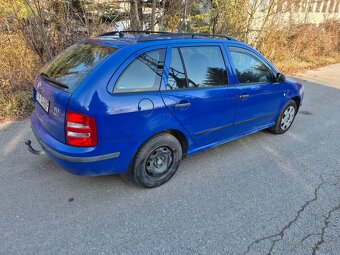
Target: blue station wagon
[(137, 103)]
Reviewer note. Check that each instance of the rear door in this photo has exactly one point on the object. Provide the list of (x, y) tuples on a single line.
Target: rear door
[(59, 79), (259, 96), (198, 93)]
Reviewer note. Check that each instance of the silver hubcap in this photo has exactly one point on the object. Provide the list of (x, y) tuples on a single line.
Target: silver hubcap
[(287, 118)]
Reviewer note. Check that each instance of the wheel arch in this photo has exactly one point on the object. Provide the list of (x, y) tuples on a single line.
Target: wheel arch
[(179, 135), (181, 138), (297, 100)]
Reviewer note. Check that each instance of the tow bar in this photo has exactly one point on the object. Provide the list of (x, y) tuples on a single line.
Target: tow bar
[(32, 150)]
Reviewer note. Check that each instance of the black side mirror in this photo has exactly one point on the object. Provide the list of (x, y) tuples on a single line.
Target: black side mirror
[(280, 77)]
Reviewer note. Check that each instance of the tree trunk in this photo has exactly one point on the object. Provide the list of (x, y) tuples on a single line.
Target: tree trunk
[(153, 14), (134, 15)]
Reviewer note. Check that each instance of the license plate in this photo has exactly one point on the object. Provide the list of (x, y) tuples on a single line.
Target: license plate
[(44, 103)]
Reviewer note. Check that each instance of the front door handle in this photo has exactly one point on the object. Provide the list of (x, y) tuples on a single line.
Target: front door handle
[(182, 105), (244, 96)]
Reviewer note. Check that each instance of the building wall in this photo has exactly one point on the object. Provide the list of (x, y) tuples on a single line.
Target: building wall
[(309, 11)]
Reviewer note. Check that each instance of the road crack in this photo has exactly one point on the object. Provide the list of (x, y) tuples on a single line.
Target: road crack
[(279, 236), (306, 237), (323, 229)]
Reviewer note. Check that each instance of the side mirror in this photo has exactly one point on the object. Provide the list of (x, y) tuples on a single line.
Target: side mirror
[(280, 77)]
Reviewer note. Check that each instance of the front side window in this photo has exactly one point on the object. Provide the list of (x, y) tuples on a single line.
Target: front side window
[(249, 68), (193, 67), (142, 74)]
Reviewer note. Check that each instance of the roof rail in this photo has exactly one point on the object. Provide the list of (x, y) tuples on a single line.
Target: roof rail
[(197, 35), (169, 35), (123, 32)]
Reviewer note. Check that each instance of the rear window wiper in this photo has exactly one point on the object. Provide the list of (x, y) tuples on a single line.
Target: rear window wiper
[(47, 78)]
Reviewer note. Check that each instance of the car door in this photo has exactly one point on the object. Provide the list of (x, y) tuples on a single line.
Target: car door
[(259, 96), (197, 91)]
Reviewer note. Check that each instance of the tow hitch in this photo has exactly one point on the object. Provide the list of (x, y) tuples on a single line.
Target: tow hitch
[(32, 150)]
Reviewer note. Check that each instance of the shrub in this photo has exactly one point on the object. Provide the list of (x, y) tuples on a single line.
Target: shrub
[(17, 67), (301, 47)]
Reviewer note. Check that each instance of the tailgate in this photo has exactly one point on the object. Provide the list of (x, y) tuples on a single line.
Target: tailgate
[(54, 100), (59, 78)]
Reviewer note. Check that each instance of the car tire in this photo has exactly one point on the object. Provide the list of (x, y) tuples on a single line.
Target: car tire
[(285, 119), (157, 160)]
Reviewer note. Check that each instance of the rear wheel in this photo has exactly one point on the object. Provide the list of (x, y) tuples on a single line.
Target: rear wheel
[(286, 118), (157, 160)]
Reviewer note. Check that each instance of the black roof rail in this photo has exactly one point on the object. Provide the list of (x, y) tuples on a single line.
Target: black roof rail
[(158, 35), (124, 32), (195, 35)]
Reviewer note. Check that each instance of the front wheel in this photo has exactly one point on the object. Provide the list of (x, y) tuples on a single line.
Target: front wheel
[(286, 118), (157, 160)]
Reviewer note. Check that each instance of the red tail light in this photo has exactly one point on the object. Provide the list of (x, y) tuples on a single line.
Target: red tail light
[(80, 130)]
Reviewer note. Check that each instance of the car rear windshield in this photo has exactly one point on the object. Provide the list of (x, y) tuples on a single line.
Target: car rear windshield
[(71, 66)]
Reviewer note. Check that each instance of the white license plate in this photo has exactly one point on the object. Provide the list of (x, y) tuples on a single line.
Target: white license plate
[(44, 103)]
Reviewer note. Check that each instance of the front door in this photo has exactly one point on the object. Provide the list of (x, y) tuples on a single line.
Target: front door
[(259, 96), (198, 94)]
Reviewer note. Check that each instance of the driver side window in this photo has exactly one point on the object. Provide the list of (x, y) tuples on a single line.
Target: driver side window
[(249, 68)]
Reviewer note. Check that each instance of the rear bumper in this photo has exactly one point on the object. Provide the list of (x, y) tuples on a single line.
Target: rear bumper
[(76, 160)]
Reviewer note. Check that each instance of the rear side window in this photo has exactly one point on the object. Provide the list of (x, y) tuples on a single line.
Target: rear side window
[(249, 68), (177, 77), (75, 63), (199, 66), (142, 74)]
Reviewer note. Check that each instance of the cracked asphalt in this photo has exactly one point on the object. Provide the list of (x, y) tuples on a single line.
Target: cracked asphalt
[(262, 194)]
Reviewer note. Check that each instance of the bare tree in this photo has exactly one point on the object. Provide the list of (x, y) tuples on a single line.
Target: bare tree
[(153, 15), (135, 22)]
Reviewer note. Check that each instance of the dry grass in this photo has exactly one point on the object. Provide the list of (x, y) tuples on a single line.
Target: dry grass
[(303, 47), (17, 67)]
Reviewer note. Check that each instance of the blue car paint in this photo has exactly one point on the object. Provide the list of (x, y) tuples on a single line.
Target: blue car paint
[(211, 108), (59, 99), (127, 120)]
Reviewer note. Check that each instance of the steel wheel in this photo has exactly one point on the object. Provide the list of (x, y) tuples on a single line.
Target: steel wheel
[(288, 117), (159, 161)]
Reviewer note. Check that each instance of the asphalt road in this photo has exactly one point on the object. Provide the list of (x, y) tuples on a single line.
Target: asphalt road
[(262, 194)]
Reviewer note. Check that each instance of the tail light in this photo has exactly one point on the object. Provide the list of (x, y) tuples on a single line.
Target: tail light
[(80, 130)]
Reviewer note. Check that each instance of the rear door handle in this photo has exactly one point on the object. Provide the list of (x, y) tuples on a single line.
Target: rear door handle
[(182, 105), (244, 96)]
